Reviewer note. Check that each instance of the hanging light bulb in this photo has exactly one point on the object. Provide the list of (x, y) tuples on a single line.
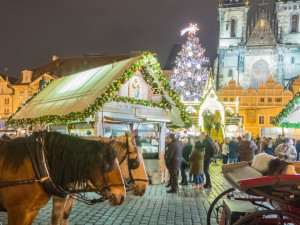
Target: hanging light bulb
[(189, 64), (199, 79), (188, 93), (190, 54), (182, 83), (189, 73), (198, 66)]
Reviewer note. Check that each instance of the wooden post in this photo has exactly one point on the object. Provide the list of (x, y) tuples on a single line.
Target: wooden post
[(99, 131), (161, 153)]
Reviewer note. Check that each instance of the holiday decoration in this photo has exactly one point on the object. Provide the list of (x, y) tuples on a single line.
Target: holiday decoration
[(292, 107), (158, 83), (190, 74)]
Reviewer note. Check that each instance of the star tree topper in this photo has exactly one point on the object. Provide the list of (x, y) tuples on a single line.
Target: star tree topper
[(192, 29)]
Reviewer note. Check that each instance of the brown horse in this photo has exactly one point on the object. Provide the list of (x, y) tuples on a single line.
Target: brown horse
[(72, 162), (135, 176)]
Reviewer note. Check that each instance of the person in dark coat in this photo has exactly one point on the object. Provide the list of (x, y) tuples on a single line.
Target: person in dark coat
[(173, 161), (197, 165), (298, 150), (247, 149), (135, 135), (233, 150), (210, 150), (186, 151)]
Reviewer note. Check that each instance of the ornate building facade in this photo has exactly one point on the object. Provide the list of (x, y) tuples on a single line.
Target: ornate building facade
[(258, 108), (250, 51)]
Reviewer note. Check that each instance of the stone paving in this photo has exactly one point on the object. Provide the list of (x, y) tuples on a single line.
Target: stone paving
[(155, 207)]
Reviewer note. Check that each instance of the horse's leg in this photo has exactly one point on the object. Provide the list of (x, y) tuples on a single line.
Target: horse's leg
[(67, 210), (20, 216), (58, 205)]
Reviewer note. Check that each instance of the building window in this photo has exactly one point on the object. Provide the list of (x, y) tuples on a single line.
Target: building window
[(6, 101), (261, 120), (292, 60), (22, 95), (262, 100), (271, 119), (230, 73), (278, 99), (295, 19), (6, 112), (29, 93), (225, 99), (233, 28), (231, 100), (243, 119), (269, 99)]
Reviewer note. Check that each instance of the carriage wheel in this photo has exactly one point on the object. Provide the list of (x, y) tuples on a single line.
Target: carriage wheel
[(215, 210), (278, 217), (217, 206)]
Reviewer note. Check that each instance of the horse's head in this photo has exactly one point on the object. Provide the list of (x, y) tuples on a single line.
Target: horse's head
[(135, 163), (107, 178)]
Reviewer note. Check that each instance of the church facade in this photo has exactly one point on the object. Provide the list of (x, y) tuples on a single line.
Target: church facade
[(250, 51)]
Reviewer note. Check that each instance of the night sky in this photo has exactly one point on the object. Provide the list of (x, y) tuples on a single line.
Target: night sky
[(34, 30)]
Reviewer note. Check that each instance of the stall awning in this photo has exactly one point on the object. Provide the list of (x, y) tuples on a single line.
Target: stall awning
[(73, 93)]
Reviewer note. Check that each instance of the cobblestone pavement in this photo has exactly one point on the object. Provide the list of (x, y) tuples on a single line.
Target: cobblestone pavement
[(155, 207)]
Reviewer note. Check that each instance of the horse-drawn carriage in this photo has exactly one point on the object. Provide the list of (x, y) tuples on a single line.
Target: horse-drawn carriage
[(256, 199)]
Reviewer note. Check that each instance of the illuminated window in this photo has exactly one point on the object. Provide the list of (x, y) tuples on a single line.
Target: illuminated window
[(231, 100), (271, 119), (22, 94), (243, 119), (29, 93), (6, 101), (261, 120), (278, 99), (262, 100), (269, 99), (225, 99), (6, 112), (295, 19), (233, 28)]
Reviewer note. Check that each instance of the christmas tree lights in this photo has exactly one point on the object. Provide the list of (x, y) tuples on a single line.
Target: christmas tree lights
[(190, 74)]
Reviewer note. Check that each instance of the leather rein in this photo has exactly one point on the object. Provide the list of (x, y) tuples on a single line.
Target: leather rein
[(127, 155), (40, 140)]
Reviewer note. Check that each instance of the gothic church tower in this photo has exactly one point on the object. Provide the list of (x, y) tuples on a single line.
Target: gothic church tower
[(233, 15)]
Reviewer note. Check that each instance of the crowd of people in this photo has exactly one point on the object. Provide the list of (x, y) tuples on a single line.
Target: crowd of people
[(194, 155), (189, 155)]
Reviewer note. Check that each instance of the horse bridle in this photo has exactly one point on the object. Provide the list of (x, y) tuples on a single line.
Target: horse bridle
[(132, 164)]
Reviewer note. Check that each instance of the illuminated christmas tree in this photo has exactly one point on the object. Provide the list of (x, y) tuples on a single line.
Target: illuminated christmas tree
[(190, 73)]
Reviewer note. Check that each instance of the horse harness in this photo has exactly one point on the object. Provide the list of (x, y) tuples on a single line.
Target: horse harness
[(36, 152), (133, 164)]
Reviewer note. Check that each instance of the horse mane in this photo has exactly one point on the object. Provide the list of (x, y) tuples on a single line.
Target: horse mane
[(71, 159)]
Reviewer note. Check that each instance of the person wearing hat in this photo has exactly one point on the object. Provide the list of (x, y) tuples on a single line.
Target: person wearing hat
[(286, 151), (186, 151), (173, 159)]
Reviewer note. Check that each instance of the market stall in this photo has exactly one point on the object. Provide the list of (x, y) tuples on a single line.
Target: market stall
[(107, 101), (290, 116)]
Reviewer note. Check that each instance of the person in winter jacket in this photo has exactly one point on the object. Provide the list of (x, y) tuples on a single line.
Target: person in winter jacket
[(186, 151), (270, 147), (233, 150), (298, 150), (210, 149), (197, 164), (286, 151), (225, 150), (173, 159), (247, 149)]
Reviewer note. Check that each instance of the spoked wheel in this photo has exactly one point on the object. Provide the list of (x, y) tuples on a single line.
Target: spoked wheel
[(216, 207), (274, 217), (215, 211)]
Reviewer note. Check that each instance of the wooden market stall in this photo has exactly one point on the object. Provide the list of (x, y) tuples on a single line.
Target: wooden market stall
[(106, 101)]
